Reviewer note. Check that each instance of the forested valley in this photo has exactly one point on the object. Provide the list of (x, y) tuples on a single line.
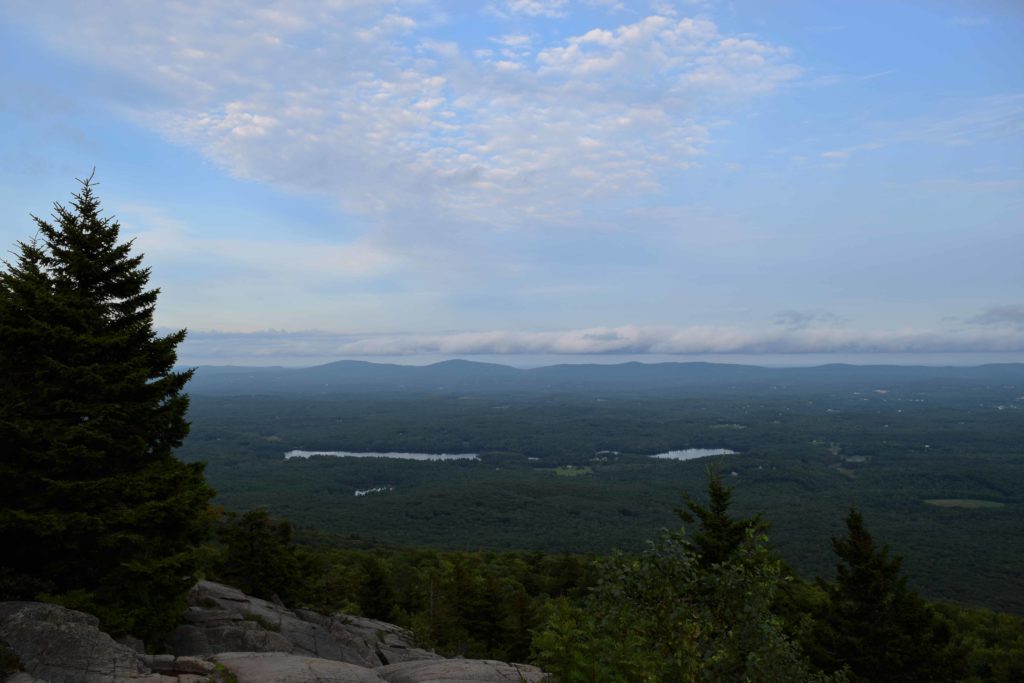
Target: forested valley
[(511, 555)]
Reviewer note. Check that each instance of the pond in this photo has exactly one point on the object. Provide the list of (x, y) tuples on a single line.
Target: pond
[(394, 456), (693, 453)]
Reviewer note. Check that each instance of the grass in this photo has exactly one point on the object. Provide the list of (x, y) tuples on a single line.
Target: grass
[(267, 625), (221, 674), (968, 503), (572, 471)]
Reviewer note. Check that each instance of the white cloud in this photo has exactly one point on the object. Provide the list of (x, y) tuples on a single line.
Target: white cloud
[(358, 100), (603, 340), (537, 8)]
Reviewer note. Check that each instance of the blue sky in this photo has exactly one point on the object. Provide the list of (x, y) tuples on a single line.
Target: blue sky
[(540, 179)]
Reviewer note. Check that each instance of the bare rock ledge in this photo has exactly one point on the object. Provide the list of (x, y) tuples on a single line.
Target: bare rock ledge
[(228, 635)]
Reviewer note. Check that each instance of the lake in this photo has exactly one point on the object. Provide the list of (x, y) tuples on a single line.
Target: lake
[(693, 453), (394, 456)]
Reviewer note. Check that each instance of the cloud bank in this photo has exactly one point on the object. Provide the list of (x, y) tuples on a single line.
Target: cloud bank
[(631, 340)]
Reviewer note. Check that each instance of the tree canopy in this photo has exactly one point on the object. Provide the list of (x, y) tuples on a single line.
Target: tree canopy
[(874, 624), (684, 610), (95, 511), (719, 534)]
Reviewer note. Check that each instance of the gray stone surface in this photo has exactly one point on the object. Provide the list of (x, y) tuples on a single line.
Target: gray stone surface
[(64, 646), (59, 645), (178, 666), (228, 632), (461, 671), (223, 619), (278, 667), (376, 642), (22, 677)]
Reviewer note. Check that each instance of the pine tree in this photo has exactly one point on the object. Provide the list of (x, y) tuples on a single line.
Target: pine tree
[(874, 624), (95, 511), (719, 534)]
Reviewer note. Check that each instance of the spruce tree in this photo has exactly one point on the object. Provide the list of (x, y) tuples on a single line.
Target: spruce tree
[(876, 626), (719, 534), (95, 511)]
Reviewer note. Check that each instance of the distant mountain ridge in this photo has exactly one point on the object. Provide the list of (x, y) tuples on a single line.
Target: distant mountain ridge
[(470, 377)]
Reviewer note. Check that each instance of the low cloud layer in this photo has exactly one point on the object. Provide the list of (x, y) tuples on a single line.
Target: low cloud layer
[(626, 340)]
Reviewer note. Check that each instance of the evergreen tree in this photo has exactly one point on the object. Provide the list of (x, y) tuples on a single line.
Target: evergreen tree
[(876, 626), (259, 555), (687, 609), (719, 535), (95, 511)]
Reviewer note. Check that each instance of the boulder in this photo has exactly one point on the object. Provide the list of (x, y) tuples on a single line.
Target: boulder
[(60, 645), (461, 671), (279, 667)]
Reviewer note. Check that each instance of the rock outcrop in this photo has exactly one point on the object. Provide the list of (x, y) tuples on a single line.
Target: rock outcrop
[(279, 667), (460, 671), (60, 645), (227, 635), (224, 619)]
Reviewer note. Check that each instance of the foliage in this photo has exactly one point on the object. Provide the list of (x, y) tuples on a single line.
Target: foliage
[(95, 511), (876, 626), (719, 535), (258, 555), (663, 616), (470, 604), (993, 643), (490, 605), (923, 442)]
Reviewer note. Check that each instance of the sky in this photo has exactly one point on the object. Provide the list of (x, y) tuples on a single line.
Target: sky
[(536, 181)]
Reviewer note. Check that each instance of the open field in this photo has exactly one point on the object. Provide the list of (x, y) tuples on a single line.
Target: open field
[(966, 503)]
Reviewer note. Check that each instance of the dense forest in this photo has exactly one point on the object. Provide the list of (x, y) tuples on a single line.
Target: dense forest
[(708, 602), (936, 463), (554, 544)]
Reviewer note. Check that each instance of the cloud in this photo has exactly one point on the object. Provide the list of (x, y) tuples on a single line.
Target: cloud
[(428, 140), (274, 260), (838, 156), (603, 340), (970, 21), (796, 319), (959, 123), (1012, 315), (986, 118), (536, 8)]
